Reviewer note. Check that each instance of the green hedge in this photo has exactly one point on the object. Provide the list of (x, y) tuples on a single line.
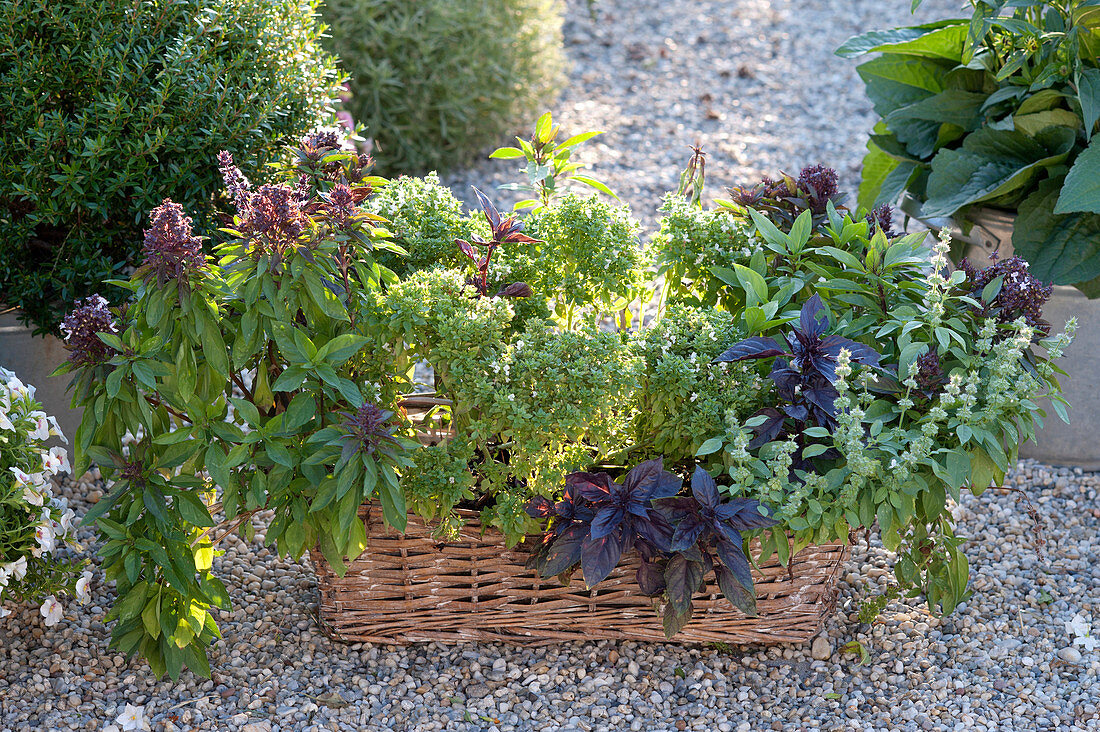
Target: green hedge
[(110, 106), (437, 81)]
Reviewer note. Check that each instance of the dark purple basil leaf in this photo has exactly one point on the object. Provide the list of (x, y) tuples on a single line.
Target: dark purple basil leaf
[(656, 530), (668, 485), (797, 412), (724, 532), (565, 552), (539, 507), (708, 562), (674, 621), (677, 509), (591, 486), (768, 431), (516, 289), (537, 559), (824, 399), (860, 353), (755, 347), (785, 379), (809, 321), (599, 557), (744, 514), (682, 579), (642, 480), (487, 206), (651, 578), (704, 488), (607, 520), (687, 534), (637, 508), (733, 558), (467, 249), (741, 598)]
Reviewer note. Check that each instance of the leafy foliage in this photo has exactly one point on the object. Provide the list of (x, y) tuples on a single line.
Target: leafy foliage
[(803, 374), (427, 98), (587, 259), (599, 519), (128, 100), (996, 110), (548, 164), (933, 391), (425, 218), (34, 525), (240, 386)]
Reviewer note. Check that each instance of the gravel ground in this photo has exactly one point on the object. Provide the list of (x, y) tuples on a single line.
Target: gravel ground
[(1002, 661), (756, 84)]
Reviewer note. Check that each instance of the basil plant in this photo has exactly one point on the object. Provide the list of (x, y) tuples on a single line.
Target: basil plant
[(246, 373)]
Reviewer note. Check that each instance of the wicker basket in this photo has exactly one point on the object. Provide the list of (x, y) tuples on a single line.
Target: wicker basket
[(411, 588)]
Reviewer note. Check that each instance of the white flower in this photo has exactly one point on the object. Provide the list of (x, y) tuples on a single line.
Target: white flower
[(22, 479), (41, 430), (18, 389), (83, 594), (1078, 626), (18, 568), (4, 574), (33, 497), (132, 718), (44, 535), (1088, 642), (4, 612), (55, 430), (52, 611), (5, 423), (56, 461), (66, 521)]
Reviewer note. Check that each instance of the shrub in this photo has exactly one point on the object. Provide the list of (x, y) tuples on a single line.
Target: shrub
[(109, 106), (34, 524), (683, 399), (587, 255), (425, 218), (437, 81)]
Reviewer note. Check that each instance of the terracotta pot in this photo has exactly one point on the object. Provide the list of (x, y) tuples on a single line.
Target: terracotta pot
[(1076, 444), (33, 359)]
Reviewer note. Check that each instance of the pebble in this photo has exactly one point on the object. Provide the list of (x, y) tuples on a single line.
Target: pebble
[(1070, 655)]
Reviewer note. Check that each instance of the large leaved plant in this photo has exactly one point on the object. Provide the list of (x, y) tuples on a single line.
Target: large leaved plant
[(1000, 110)]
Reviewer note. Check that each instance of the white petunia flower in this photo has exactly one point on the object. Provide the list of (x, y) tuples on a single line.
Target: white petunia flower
[(83, 594), (66, 521), (33, 497), (55, 430), (1088, 643), (52, 611), (4, 612), (132, 718), (18, 568), (5, 423), (56, 461), (46, 538), (41, 431), (1078, 626)]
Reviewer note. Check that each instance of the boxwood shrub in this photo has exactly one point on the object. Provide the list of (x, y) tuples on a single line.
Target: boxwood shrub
[(110, 106), (436, 81)]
